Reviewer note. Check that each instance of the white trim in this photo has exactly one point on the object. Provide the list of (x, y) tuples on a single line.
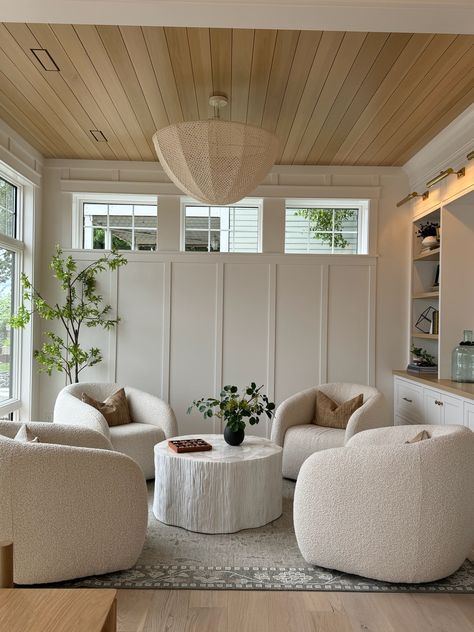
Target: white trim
[(78, 201), (415, 16), (363, 223), (247, 202), (448, 149)]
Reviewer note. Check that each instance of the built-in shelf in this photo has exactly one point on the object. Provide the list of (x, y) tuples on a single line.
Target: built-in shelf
[(434, 294), (432, 255), (416, 334)]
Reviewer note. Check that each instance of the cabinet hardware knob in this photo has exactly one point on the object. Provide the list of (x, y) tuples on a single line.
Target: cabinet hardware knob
[(440, 403), (407, 400)]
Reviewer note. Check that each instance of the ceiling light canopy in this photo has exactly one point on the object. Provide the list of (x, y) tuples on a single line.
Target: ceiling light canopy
[(215, 161)]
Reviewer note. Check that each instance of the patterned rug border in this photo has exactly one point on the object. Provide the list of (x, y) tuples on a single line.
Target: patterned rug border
[(309, 578)]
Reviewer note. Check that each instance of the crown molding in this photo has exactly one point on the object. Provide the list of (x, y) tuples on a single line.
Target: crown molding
[(448, 149), (412, 16)]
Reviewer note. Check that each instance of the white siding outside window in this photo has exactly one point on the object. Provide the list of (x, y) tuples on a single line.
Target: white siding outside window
[(222, 228), (326, 226)]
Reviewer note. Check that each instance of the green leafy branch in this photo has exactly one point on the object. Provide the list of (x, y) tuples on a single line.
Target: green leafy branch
[(324, 223), (81, 307), (236, 408)]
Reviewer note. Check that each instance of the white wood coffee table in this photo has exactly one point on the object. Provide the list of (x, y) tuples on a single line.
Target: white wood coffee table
[(224, 490)]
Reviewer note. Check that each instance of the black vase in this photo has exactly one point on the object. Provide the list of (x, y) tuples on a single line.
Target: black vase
[(233, 437)]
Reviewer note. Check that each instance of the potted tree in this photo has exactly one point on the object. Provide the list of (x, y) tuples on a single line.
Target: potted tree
[(235, 409), (82, 307)]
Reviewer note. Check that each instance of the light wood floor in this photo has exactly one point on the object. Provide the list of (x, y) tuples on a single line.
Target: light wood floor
[(238, 611)]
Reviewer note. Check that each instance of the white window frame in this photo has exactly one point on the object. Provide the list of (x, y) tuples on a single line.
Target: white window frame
[(245, 203), (79, 199), (17, 246), (362, 207)]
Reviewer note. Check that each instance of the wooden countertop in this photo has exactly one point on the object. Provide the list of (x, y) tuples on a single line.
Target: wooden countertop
[(462, 389)]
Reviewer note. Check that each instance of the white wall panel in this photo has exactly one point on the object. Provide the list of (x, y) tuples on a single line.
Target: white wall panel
[(192, 340), (140, 333), (299, 320), (350, 325), (245, 356)]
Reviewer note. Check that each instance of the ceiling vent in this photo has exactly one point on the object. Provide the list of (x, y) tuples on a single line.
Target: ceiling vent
[(45, 60)]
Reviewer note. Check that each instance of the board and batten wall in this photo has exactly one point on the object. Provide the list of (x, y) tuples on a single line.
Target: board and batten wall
[(191, 322)]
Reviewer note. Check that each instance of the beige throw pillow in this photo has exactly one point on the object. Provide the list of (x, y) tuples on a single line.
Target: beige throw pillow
[(421, 436), (25, 436), (330, 414), (114, 408)]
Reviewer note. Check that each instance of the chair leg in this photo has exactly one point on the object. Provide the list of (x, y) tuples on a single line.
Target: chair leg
[(6, 566)]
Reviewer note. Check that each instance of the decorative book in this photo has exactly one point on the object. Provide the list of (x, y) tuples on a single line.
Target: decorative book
[(189, 445)]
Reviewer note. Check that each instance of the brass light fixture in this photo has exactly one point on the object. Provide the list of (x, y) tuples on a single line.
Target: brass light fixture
[(412, 196), (470, 155), (444, 174)]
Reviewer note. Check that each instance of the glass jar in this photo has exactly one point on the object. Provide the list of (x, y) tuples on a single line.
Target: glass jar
[(462, 366)]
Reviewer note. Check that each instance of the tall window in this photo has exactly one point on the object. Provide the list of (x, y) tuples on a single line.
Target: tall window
[(125, 226), (222, 228), (10, 254), (326, 227)]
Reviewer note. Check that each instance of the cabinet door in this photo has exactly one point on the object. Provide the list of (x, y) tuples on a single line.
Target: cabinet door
[(409, 402), (432, 406), (469, 415), (452, 410)]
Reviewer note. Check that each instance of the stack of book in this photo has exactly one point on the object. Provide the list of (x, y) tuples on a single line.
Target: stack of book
[(417, 368)]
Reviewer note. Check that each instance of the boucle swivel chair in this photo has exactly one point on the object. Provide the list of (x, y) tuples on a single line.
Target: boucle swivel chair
[(71, 506), (389, 510), (153, 420), (294, 429)]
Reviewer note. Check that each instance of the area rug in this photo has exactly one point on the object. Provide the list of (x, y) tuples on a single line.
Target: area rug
[(266, 558)]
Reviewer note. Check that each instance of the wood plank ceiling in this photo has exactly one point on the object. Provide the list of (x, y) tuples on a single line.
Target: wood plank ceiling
[(330, 97)]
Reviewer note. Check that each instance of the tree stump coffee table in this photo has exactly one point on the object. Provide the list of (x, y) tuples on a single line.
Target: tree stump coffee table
[(224, 490)]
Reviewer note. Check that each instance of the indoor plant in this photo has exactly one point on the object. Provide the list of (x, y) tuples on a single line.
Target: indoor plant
[(82, 307), (235, 408), (428, 232)]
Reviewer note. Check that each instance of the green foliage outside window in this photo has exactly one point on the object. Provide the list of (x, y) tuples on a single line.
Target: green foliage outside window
[(326, 224)]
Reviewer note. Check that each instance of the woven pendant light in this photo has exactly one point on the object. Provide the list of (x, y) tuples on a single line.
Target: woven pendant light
[(214, 161)]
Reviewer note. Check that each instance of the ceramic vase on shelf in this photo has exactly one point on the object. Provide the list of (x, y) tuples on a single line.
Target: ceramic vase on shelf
[(234, 437), (462, 366), (429, 243)]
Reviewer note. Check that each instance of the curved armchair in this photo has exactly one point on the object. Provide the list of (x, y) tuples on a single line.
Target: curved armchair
[(70, 511), (388, 510), (153, 420), (294, 430)]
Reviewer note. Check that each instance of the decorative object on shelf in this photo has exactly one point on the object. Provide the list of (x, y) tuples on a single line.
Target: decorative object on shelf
[(235, 409), (412, 196), (434, 329), (436, 279), (189, 445), (462, 365), (444, 174), (428, 233), (425, 319), (215, 161), (422, 362), (82, 307)]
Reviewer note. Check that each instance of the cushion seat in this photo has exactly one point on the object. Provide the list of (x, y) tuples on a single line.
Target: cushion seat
[(152, 419), (136, 440), (303, 440)]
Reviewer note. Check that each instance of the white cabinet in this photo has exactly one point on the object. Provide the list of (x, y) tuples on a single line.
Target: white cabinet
[(441, 408), (469, 415), (419, 404)]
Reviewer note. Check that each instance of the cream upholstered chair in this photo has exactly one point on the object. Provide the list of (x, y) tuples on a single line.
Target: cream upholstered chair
[(388, 510), (71, 505), (153, 420), (294, 431)]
